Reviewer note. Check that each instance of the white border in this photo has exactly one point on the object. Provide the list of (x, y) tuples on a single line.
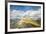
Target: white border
[(25, 29)]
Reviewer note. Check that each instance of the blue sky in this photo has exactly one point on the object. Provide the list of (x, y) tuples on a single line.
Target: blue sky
[(20, 11), (23, 8)]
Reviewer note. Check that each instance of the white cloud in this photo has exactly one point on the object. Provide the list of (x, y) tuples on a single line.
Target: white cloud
[(16, 13), (33, 14)]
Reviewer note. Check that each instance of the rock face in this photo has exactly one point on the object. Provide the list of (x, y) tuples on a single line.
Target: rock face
[(27, 22)]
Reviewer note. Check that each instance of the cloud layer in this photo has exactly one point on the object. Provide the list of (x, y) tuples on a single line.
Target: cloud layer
[(19, 14)]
